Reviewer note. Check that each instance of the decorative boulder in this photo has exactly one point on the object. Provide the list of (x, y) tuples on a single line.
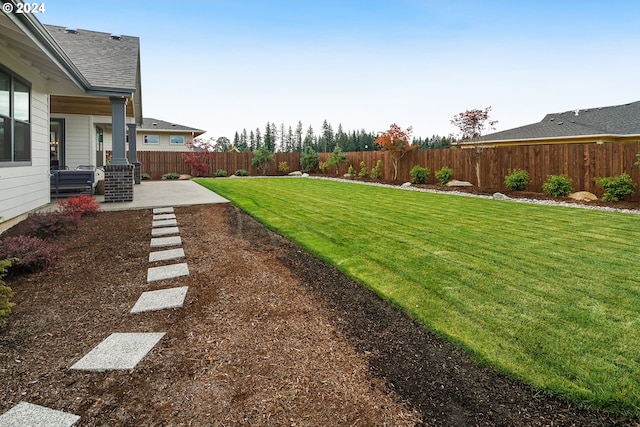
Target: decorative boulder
[(500, 196), (406, 184), (295, 173), (456, 183), (185, 177), (348, 175), (305, 175), (583, 196)]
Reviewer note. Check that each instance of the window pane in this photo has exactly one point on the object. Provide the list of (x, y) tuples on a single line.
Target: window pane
[(21, 101), (5, 140), (5, 84), (151, 139), (177, 139), (22, 141)]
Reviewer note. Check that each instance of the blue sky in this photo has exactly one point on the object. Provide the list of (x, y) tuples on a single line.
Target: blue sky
[(226, 65)]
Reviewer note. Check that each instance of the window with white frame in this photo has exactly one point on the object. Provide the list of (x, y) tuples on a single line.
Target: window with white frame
[(152, 139), (176, 140), (15, 120)]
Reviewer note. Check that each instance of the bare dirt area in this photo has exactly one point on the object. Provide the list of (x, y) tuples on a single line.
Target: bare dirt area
[(268, 335)]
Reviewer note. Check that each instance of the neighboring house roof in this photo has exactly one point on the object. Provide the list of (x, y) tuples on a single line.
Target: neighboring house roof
[(151, 124), (105, 60), (616, 120)]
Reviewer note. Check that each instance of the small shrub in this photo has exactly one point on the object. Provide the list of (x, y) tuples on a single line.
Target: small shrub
[(48, 224), (444, 175), (558, 185), (5, 292), (145, 176), (221, 173), (351, 171), (283, 168), (376, 172), (32, 253), (171, 175), (364, 171), (419, 174), (79, 206), (323, 166), (309, 161), (336, 158), (517, 180), (616, 188), (242, 172)]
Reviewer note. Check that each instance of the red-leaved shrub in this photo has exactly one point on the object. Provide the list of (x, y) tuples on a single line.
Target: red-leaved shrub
[(79, 206), (49, 224), (32, 253)]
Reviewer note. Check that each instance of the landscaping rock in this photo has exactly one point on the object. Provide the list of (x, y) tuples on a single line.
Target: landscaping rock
[(583, 195), (295, 173), (406, 184), (456, 183), (500, 196), (185, 177), (348, 175), (305, 175)]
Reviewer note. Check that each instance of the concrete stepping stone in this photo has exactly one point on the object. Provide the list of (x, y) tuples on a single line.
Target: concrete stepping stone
[(164, 223), (166, 255), (156, 232), (28, 414), (163, 216), (159, 242), (160, 300), (167, 272), (120, 351), (164, 210)]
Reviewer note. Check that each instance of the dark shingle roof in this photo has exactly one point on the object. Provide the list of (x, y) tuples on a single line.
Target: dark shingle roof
[(614, 120), (149, 123), (106, 61)]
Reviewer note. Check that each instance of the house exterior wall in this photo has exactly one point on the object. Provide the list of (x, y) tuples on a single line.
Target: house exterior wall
[(26, 188), (164, 141), (79, 139)]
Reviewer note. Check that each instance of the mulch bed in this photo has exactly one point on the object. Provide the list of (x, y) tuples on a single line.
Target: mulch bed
[(268, 335)]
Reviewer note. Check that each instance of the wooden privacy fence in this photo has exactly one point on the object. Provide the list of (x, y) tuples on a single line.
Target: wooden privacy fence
[(483, 167)]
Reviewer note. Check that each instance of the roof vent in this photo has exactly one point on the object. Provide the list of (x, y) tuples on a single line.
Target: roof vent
[(116, 37), (173, 125), (154, 124), (560, 123), (552, 119), (577, 112), (71, 31)]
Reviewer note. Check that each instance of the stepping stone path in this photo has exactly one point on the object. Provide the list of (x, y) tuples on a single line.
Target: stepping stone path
[(122, 351)]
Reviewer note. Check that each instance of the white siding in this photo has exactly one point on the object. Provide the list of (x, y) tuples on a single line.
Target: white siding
[(163, 145), (25, 188)]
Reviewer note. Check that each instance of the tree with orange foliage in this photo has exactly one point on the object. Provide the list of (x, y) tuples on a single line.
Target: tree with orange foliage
[(397, 142)]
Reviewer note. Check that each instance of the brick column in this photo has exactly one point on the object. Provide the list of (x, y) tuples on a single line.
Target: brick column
[(137, 173), (118, 183)]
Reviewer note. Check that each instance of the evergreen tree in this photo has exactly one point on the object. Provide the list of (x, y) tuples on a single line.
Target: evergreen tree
[(326, 140), (258, 139), (236, 140), (289, 146), (244, 141), (309, 138), (297, 141), (252, 141), (269, 142), (342, 140)]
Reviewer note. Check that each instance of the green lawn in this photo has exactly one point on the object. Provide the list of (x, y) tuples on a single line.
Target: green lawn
[(548, 294)]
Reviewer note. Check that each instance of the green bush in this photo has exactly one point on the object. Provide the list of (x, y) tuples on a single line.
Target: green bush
[(5, 292), (517, 180), (558, 185), (336, 158), (444, 175), (261, 159), (221, 173), (616, 188), (171, 175), (309, 160), (323, 166), (376, 172), (145, 176), (351, 171), (242, 172), (419, 174), (364, 171)]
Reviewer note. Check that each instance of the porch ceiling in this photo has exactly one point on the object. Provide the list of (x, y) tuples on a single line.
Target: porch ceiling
[(84, 105)]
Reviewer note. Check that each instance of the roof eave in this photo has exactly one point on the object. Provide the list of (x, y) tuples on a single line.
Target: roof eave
[(548, 138), (33, 29)]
